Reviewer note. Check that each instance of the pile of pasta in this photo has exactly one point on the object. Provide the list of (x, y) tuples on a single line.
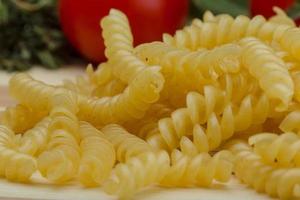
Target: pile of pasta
[(219, 97)]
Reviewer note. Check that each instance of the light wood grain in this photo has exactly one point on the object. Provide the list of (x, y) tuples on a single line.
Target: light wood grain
[(5, 99)]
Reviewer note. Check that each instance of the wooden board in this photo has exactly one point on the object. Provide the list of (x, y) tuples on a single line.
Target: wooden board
[(40, 189)]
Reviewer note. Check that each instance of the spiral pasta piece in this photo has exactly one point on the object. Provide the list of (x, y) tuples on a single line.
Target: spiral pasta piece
[(282, 150), (226, 29), (198, 170), (101, 76), (125, 144), (119, 46), (191, 69), (20, 118), (291, 122), (14, 166), (97, 156), (218, 128), (31, 93), (137, 172), (182, 62), (60, 161), (270, 71), (112, 88), (34, 141), (131, 104), (142, 128), (250, 168), (80, 85)]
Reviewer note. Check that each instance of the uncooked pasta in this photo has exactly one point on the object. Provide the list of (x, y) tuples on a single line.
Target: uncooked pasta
[(216, 100)]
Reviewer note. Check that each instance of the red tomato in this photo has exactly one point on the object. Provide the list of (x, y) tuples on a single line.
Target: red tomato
[(265, 7), (148, 19)]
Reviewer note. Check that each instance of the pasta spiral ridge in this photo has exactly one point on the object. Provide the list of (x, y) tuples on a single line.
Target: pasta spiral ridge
[(125, 144), (34, 141), (142, 128), (137, 172), (227, 29), (60, 161), (20, 118), (280, 150), (270, 71), (131, 104), (14, 166), (119, 46), (101, 76), (97, 156), (198, 170), (249, 168), (186, 63), (220, 125), (291, 122), (31, 93)]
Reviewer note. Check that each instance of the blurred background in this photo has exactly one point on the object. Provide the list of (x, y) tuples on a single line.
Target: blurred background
[(54, 33)]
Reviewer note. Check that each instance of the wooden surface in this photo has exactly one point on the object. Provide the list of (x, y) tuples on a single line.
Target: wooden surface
[(42, 190)]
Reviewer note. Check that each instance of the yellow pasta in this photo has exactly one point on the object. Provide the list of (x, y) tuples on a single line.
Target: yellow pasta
[(291, 122), (34, 141), (199, 170), (80, 85), (186, 63), (119, 46), (14, 166), (250, 169), (270, 71), (220, 78), (112, 88), (234, 118), (20, 118), (282, 150), (191, 69), (136, 173), (143, 128), (60, 161), (101, 76), (97, 156), (126, 144), (225, 29)]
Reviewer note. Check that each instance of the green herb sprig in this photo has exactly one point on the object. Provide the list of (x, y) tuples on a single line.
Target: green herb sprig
[(30, 35)]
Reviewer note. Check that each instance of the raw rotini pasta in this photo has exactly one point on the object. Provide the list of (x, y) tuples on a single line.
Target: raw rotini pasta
[(126, 144), (161, 113), (131, 104), (34, 141), (119, 46), (97, 156), (291, 122), (218, 128), (20, 118), (225, 29), (201, 169), (60, 160), (282, 150), (137, 172), (14, 166), (80, 85), (270, 71), (143, 127), (250, 169), (191, 69), (101, 76), (112, 88)]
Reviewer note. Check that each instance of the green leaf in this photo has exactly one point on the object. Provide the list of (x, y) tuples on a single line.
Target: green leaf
[(3, 13), (237, 7), (47, 59), (294, 11)]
